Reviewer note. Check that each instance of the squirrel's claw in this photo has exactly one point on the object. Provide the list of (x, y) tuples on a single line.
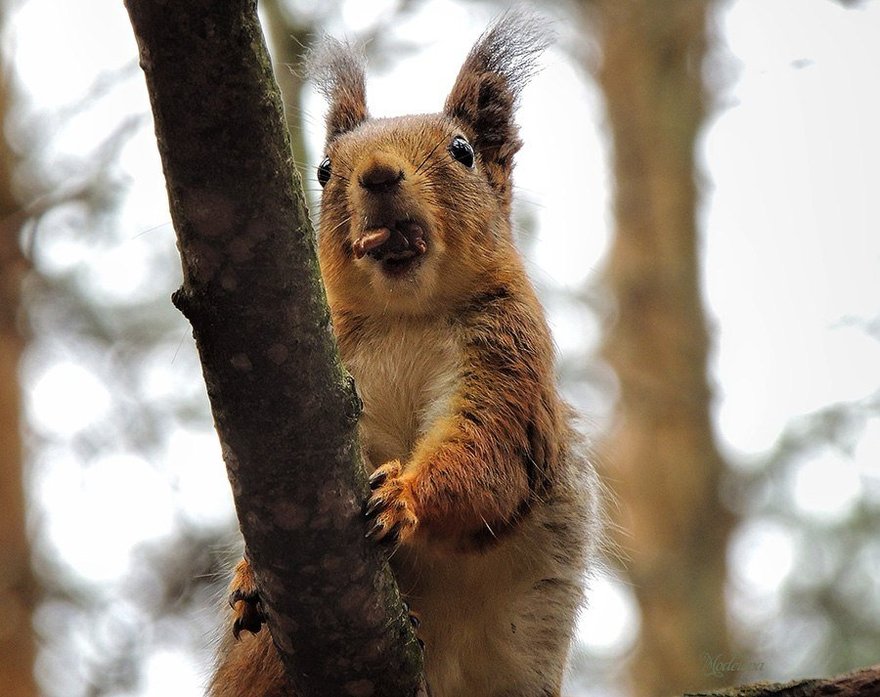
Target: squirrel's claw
[(381, 532), (390, 506), (373, 506), (378, 478), (249, 617), (234, 597), (244, 599)]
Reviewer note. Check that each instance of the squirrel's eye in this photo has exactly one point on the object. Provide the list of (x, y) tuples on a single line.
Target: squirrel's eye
[(324, 171), (462, 151)]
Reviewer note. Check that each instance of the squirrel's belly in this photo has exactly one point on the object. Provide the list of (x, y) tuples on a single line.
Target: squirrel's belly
[(406, 380), (493, 622)]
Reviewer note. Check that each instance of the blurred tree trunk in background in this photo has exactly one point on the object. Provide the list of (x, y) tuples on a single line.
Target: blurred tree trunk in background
[(661, 458), (288, 40), (17, 587)]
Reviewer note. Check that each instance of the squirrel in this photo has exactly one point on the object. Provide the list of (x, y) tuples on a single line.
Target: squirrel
[(479, 478)]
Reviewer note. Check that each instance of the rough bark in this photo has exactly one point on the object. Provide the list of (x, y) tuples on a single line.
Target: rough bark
[(284, 409), (17, 586), (662, 458), (860, 683)]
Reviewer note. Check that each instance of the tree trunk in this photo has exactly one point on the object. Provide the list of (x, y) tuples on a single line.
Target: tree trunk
[(17, 586), (284, 408), (661, 457)]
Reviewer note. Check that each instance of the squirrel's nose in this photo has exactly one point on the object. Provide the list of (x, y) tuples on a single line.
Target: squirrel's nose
[(380, 177)]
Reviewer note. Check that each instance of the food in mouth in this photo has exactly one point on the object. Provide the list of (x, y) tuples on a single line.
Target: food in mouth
[(396, 247)]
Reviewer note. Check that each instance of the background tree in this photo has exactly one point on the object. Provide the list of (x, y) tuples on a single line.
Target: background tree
[(117, 345), (16, 581), (660, 456), (289, 35)]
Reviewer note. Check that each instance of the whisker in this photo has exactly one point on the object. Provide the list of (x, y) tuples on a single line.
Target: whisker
[(344, 221), (433, 150), (153, 228), (436, 167)]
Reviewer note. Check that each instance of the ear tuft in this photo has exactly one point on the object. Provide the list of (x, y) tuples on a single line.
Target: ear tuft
[(511, 47), (337, 69), (486, 91)]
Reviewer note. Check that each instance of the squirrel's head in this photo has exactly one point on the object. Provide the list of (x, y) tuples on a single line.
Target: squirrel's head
[(416, 209)]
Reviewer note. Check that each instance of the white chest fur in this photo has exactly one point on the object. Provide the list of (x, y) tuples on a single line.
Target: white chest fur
[(496, 621), (406, 372)]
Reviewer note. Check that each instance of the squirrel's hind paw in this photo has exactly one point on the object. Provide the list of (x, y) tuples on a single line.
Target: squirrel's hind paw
[(244, 599)]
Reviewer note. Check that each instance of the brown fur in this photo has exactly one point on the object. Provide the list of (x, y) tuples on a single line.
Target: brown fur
[(479, 475)]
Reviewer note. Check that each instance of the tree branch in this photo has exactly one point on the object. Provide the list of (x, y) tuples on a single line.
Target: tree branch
[(284, 408), (860, 683)]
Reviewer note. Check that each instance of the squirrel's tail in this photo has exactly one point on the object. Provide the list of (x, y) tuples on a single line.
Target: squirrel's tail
[(249, 667)]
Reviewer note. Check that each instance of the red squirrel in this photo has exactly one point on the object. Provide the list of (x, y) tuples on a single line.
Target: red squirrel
[(479, 478)]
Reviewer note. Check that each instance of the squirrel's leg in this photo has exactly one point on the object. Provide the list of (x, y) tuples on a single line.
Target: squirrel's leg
[(248, 664), (447, 494), (480, 466), (244, 599)]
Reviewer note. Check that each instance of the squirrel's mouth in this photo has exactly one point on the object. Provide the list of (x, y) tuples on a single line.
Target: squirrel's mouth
[(398, 248)]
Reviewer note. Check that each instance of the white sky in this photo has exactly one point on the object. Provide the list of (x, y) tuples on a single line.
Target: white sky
[(792, 243), (791, 250)]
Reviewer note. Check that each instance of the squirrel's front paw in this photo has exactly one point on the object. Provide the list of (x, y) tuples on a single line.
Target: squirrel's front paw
[(391, 505), (244, 599)]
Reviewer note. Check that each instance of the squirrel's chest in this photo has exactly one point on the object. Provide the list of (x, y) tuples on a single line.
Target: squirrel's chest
[(406, 376)]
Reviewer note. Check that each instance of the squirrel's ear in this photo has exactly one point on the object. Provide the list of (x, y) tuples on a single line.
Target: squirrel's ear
[(486, 91), (338, 72)]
